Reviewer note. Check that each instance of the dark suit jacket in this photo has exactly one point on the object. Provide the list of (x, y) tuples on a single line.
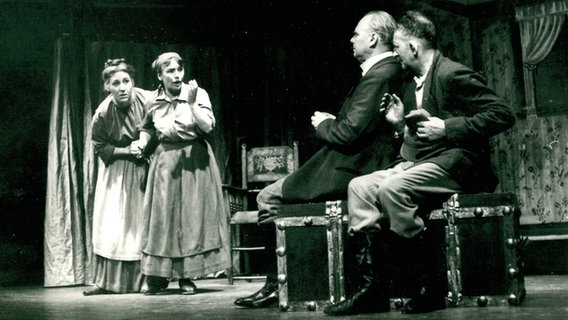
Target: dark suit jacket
[(472, 113), (358, 142)]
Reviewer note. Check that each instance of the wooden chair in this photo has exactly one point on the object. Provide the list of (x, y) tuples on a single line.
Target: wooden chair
[(260, 166)]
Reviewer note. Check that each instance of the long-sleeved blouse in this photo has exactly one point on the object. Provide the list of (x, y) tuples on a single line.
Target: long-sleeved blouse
[(172, 120), (117, 127)]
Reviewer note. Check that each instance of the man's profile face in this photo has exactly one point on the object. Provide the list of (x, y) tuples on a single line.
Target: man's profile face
[(401, 46), (361, 40)]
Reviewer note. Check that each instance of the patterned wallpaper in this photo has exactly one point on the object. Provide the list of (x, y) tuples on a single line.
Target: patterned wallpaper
[(532, 158)]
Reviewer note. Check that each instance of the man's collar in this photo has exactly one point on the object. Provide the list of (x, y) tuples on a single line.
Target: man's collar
[(420, 80), (365, 66)]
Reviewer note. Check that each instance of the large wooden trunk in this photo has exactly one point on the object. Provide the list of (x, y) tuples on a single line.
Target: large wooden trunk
[(481, 254), (310, 247), (483, 249)]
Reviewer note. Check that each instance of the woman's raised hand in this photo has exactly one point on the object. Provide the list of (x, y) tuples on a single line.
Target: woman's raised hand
[(192, 91)]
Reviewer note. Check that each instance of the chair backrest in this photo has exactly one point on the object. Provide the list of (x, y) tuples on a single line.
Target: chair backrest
[(268, 164)]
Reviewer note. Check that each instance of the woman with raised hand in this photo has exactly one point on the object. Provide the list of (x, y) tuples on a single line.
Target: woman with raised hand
[(186, 221)]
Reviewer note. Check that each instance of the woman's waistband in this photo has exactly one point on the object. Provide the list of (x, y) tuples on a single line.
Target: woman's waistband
[(179, 144)]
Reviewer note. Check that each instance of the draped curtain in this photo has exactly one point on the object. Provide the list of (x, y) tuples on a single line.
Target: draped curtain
[(65, 253), (72, 165), (540, 26)]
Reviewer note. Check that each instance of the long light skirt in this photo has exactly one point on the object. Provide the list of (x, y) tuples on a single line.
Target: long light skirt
[(186, 220), (118, 276), (184, 268), (118, 220)]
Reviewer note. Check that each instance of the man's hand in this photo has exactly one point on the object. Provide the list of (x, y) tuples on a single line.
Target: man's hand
[(393, 107), (318, 117), (433, 129)]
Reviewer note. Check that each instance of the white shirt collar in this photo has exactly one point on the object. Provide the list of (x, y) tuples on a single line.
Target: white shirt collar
[(365, 66), (419, 91), (420, 80)]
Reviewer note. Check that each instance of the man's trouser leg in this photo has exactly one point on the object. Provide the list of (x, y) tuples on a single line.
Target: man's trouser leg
[(268, 200), (405, 198)]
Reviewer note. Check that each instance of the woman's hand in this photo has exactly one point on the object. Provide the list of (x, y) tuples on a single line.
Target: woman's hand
[(192, 95), (136, 149)]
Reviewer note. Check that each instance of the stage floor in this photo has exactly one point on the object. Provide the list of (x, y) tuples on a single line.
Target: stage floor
[(547, 298)]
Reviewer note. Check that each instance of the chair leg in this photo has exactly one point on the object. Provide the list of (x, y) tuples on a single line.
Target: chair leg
[(234, 241), (230, 270)]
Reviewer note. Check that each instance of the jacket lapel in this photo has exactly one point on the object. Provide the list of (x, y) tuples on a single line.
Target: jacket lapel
[(377, 65), (427, 97)]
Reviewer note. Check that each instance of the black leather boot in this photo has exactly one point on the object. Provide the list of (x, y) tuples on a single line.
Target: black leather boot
[(265, 297), (371, 295), (429, 294)]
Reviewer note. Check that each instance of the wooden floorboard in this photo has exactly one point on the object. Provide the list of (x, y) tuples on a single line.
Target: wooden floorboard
[(547, 298)]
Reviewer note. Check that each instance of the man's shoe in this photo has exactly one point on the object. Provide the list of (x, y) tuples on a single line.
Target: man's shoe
[(265, 302), (265, 297), (360, 303), (424, 303), (187, 287)]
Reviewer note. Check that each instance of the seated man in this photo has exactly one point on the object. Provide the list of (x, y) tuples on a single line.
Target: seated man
[(358, 141), (450, 116)]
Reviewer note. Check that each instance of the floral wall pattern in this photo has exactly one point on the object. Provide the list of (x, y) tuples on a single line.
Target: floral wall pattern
[(531, 158)]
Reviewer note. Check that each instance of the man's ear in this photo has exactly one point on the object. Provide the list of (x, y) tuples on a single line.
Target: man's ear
[(413, 48), (375, 39)]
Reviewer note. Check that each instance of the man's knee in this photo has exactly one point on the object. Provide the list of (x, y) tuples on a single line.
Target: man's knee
[(357, 185), (271, 194), (262, 195), (390, 189)]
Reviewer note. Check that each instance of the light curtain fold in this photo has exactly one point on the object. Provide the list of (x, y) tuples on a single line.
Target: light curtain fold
[(538, 36), (90, 170), (532, 11), (540, 25), (64, 237)]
